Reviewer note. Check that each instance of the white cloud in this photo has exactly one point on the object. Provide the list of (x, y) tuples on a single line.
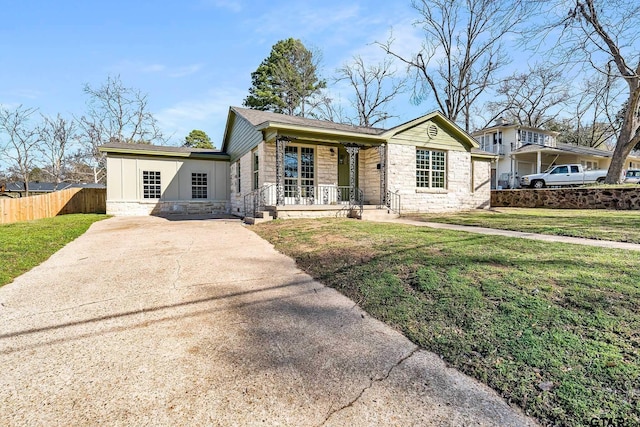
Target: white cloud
[(208, 113), (231, 5), (185, 70), (152, 68), (307, 18), (138, 67), (26, 93)]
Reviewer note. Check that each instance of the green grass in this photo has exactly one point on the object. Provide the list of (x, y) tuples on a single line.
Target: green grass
[(618, 226), (512, 313), (24, 245)]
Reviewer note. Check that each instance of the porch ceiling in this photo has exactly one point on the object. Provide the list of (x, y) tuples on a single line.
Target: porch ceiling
[(322, 136)]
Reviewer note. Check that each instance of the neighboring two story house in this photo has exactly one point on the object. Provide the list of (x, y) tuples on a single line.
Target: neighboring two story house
[(504, 139), (523, 150)]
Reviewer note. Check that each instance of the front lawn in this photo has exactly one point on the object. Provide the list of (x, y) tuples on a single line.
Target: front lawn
[(618, 226), (23, 245), (554, 328)]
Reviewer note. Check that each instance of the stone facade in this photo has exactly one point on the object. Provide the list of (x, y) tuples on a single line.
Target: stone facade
[(569, 198), (370, 175), (246, 181), (167, 207), (461, 192)]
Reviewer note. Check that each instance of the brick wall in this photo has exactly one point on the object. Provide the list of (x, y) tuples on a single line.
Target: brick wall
[(569, 198)]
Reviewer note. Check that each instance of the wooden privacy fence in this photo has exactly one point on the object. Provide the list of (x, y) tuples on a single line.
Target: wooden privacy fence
[(69, 201)]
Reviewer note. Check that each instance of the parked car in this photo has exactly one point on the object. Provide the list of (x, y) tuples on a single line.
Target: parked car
[(632, 176), (563, 175)]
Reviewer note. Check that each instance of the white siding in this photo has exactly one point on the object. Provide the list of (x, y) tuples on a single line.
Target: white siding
[(124, 184)]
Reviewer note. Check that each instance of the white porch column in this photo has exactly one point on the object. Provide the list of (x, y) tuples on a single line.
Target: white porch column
[(539, 162)]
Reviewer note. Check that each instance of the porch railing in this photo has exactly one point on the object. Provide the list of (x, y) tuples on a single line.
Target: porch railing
[(393, 202), (266, 195), (258, 199)]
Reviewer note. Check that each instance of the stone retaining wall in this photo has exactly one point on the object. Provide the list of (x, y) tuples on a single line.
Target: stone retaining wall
[(569, 198)]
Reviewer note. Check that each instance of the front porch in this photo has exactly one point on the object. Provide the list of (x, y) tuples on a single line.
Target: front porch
[(323, 201), (297, 178)]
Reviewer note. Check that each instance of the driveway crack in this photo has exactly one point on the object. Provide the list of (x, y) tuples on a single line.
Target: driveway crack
[(178, 271), (371, 383)]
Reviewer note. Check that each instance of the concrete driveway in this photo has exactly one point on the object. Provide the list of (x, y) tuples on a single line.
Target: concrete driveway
[(146, 321)]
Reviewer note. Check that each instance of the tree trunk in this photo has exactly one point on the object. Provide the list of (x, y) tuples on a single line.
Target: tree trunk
[(628, 138)]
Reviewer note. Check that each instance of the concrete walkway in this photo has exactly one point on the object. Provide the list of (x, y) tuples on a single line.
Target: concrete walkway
[(519, 234), (145, 321)]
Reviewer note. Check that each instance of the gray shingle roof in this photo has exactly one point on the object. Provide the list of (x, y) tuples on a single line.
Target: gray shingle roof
[(257, 117), (160, 148)]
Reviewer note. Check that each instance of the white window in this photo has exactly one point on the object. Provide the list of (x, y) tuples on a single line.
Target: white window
[(299, 171), (151, 186), (199, 185), (430, 168)]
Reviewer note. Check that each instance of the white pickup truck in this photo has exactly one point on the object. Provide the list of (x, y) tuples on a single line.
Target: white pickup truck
[(563, 175)]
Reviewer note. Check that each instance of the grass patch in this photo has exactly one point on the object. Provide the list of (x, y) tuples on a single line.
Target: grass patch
[(512, 313), (23, 245), (617, 226)]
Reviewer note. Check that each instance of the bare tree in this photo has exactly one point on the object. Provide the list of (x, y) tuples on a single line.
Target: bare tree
[(462, 50), (115, 114), (532, 98), (374, 86), (22, 140), (594, 33), (323, 107), (57, 135), (596, 123)]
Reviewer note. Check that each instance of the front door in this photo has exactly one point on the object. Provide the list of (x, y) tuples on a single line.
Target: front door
[(299, 174)]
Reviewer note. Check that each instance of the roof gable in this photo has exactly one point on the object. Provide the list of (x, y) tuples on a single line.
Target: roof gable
[(438, 119), (268, 124)]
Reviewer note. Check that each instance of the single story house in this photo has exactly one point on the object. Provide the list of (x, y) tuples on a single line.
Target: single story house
[(293, 166)]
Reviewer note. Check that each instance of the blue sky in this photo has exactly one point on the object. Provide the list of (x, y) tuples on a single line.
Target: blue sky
[(193, 58)]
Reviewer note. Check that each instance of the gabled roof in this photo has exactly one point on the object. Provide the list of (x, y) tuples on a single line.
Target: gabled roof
[(262, 119), (162, 150), (439, 118), (266, 119)]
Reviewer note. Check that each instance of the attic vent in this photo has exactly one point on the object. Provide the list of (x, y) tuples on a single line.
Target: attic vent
[(432, 131)]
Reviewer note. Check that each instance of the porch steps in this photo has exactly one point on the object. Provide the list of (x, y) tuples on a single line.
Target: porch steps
[(261, 216), (373, 213)]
